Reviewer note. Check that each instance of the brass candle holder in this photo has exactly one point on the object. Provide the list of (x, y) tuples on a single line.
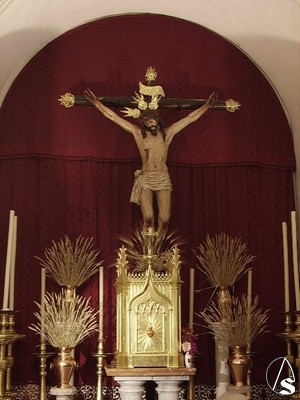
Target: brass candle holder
[(295, 337), (43, 372), (290, 335), (249, 355), (43, 355), (4, 340), (7, 338), (286, 336), (100, 370)]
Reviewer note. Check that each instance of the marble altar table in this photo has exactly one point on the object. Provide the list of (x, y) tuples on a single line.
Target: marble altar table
[(168, 381)]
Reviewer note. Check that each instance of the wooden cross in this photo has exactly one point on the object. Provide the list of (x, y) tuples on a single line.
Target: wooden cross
[(146, 92)]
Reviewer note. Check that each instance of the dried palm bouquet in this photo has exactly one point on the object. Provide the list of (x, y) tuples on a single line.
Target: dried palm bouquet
[(71, 263), (65, 322), (223, 259), (240, 323)]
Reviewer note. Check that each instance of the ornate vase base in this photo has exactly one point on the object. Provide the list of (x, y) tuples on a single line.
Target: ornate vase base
[(63, 394), (238, 389), (232, 396)]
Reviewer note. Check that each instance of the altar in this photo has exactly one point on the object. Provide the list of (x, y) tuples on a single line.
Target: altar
[(168, 381)]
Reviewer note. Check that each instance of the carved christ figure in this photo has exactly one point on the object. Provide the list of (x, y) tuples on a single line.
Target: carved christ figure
[(153, 142)]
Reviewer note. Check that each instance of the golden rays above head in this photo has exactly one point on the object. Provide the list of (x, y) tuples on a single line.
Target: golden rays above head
[(142, 245)]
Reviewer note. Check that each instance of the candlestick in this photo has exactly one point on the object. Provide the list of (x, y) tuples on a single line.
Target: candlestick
[(43, 293), (295, 260), (13, 265), (101, 303), (8, 260), (286, 268), (191, 308)]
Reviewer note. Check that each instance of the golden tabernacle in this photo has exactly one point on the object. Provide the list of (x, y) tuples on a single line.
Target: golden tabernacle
[(148, 309)]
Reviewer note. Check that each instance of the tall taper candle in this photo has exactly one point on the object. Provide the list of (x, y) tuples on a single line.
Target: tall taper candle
[(191, 308), (249, 290), (285, 268), (8, 260), (101, 296), (295, 259), (13, 265), (43, 293), (249, 302)]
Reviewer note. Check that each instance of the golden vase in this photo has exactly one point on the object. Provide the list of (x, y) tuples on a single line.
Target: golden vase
[(238, 364), (64, 365)]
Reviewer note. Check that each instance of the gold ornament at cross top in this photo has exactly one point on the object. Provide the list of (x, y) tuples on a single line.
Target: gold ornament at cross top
[(151, 74)]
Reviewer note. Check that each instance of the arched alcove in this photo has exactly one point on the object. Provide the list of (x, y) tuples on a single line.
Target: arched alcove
[(70, 171)]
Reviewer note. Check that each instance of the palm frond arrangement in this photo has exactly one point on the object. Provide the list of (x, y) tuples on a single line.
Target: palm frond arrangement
[(240, 324), (140, 244), (71, 263), (66, 323), (223, 259)]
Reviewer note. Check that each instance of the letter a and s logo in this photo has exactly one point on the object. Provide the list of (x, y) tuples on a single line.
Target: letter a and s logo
[(280, 377), (286, 383)]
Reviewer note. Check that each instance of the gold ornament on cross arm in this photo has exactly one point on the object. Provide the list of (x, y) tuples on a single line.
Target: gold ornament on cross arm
[(67, 100), (232, 105)]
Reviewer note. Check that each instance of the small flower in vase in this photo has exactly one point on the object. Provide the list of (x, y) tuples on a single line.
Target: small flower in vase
[(193, 349), (189, 346), (186, 347)]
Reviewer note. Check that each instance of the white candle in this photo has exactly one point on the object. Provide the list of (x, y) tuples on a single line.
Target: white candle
[(286, 268), (249, 301), (13, 265), (191, 308), (43, 293), (8, 260), (249, 291), (101, 296), (295, 260)]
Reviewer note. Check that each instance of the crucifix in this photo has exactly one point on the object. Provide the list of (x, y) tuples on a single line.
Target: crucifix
[(151, 138)]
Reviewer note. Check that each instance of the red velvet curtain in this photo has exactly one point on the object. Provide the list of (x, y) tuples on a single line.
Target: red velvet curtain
[(70, 171)]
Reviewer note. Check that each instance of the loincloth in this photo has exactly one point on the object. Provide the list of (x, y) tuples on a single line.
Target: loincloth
[(155, 181)]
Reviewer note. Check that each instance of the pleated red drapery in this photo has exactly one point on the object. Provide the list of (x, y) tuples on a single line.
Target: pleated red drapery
[(70, 171)]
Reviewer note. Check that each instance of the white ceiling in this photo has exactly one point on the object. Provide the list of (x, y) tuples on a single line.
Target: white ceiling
[(267, 30)]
